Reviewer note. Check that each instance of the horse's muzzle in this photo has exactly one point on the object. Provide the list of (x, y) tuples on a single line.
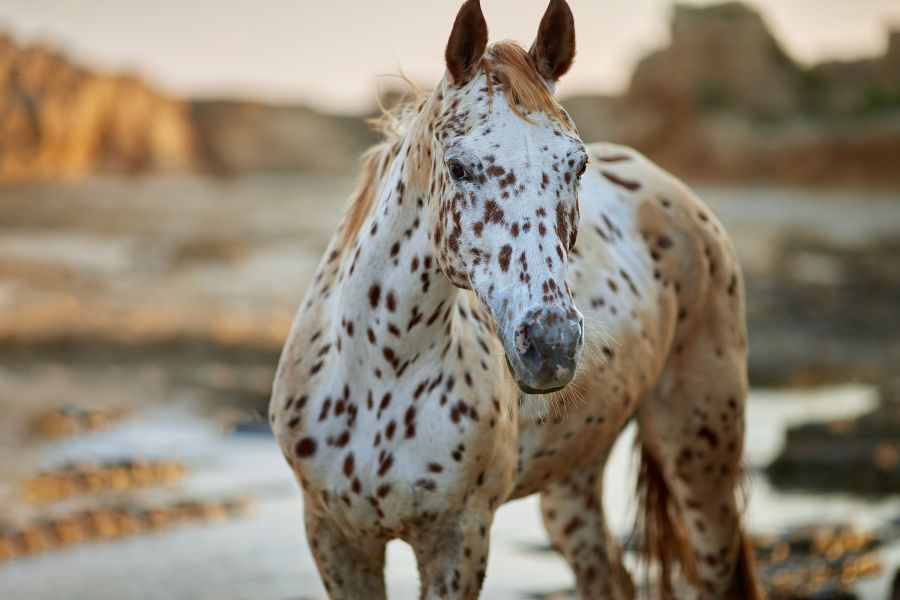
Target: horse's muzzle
[(545, 348)]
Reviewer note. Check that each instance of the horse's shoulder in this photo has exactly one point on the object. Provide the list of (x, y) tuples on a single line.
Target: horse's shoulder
[(657, 194), (673, 218)]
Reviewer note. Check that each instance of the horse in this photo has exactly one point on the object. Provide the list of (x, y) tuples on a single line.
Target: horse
[(498, 302)]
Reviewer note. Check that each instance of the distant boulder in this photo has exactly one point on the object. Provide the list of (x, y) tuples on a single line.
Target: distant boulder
[(720, 57), (860, 454), (235, 137), (58, 120)]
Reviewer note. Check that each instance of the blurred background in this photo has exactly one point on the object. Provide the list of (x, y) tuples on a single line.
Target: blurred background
[(171, 171)]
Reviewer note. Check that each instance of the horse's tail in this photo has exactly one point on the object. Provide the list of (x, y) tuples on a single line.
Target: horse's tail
[(746, 579), (664, 541)]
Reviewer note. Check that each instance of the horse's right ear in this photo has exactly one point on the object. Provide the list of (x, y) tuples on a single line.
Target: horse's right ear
[(467, 43)]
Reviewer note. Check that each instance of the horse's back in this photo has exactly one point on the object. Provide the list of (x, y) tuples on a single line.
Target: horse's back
[(683, 243)]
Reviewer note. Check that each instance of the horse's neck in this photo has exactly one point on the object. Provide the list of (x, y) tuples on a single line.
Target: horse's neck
[(393, 292)]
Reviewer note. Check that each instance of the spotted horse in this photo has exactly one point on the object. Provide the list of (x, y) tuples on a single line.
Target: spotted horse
[(459, 348)]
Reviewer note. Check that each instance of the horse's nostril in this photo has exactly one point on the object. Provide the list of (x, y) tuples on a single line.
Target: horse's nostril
[(523, 339), (528, 352), (532, 357)]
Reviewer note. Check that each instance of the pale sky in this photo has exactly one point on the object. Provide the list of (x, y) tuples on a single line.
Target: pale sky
[(331, 53)]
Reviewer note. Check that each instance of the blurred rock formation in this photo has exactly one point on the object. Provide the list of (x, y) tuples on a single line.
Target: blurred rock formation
[(58, 120), (724, 102), (860, 454), (236, 137)]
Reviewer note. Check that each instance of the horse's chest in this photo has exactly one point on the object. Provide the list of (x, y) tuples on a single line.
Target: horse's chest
[(563, 439), (411, 449)]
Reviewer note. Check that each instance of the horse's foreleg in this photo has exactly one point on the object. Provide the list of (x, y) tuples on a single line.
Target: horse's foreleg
[(351, 568), (573, 516), (452, 555)]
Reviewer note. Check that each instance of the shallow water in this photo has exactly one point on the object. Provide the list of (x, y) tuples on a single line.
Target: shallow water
[(264, 555)]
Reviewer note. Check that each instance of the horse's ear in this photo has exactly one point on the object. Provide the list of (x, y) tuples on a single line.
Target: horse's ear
[(467, 43), (554, 48)]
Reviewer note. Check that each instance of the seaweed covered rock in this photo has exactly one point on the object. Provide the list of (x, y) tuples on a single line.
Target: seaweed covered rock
[(861, 454)]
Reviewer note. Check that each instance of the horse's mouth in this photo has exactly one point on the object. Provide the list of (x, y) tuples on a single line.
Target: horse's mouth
[(527, 389)]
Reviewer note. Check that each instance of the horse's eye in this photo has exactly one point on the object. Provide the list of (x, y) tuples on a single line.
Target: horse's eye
[(457, 170), (582, 169)]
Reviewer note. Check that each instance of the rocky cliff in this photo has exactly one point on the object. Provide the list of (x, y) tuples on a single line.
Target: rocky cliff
[(236, 137), (724, 102), (59, 120), (720, 57), (859, 87)]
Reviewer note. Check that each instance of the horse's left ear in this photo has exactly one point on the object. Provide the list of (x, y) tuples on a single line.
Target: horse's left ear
[(554, 48)]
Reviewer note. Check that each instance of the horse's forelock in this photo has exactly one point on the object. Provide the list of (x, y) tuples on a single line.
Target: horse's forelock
[(512, 67)]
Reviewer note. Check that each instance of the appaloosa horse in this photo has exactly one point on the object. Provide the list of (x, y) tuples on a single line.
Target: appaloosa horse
[(415, 393)]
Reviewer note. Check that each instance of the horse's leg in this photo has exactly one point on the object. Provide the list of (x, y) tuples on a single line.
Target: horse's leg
[(452, 554), (573, 516), (691, 433), (350, 568)]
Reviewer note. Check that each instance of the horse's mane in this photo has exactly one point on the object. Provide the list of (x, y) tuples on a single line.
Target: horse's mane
[(393, 123), (375, 161), (507, 67)]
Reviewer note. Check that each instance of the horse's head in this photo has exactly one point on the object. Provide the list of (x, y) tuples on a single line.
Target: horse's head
[(504, 202)]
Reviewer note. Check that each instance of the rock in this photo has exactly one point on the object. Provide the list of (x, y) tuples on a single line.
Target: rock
[(237, 137), (58, 120), (817, 562), (858, 87), (862, 454), (720, 57), (106, 521), (804, 318), (724, 102)]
